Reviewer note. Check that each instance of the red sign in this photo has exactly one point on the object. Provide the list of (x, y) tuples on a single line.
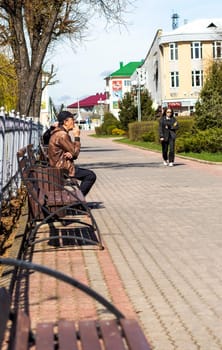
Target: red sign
[(174, 104), (117, 89)]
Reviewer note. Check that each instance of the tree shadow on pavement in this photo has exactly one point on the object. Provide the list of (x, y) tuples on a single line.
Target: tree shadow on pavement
[(118, 165)]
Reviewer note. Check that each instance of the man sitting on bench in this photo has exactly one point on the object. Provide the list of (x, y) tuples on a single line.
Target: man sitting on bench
[(63, 151)]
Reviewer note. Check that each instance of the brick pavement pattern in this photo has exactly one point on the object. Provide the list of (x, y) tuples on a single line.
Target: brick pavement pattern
[(162, 231)]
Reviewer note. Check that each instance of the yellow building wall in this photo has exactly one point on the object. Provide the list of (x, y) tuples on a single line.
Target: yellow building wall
[(184, 65), (207, 56), (185, 69)]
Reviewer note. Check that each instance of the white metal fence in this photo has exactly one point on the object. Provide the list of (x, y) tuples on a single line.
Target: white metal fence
[(15, 132)]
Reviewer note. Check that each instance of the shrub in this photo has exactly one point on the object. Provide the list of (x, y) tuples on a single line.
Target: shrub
[(117, 131), (99, 131), (138, 129), (148, 136), (109, 129), (208, 112), (110, 122), (209, 140), (185, 126)]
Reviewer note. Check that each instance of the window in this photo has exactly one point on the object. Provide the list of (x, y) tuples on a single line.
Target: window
[(173, 51), (127, 82), (174, 79), (217, 49), (196, 50), (197, 78)]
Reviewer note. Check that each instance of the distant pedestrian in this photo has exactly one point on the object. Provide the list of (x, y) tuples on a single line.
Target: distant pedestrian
[(167, 132), (158, 112)]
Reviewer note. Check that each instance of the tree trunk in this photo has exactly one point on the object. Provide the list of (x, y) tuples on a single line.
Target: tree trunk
[(28, 27), (36, 100), (28, 67)]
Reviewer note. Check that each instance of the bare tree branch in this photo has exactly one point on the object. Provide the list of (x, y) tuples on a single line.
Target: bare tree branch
[(31, 28)]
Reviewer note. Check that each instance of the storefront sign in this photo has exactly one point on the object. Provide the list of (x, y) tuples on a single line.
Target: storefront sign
[(174, 105), (117, 89)]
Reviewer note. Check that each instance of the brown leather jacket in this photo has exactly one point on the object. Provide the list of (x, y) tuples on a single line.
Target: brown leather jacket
[(60, 142)]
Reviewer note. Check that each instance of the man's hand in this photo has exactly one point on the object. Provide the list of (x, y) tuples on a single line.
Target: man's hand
[(76, 131), (68, 155)]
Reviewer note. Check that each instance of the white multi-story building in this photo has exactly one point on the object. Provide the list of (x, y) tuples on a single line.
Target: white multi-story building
[(177, 62)]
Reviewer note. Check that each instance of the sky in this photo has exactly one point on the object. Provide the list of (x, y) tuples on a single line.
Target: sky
[(81, 68)]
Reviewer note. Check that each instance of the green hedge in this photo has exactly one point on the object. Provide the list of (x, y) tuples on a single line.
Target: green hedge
[(149, 130), (208, 140), (137, 130)]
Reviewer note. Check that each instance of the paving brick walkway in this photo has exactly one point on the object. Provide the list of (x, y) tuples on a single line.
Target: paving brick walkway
[(162, 230)]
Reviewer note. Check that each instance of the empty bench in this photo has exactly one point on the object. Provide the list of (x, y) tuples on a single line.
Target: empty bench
[(118, 333)]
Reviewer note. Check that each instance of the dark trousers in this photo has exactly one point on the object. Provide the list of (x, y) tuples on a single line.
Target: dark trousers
[(87, 178), (168, 146)]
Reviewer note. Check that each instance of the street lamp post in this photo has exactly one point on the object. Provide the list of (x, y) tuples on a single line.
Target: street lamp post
[(137, 87), (78, 110), (101, 110), (139, 101)]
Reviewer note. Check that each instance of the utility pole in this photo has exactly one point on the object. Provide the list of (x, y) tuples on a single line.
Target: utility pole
[(139, 101), (138, 84)]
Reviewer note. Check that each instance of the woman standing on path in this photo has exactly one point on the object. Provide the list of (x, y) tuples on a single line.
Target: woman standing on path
[(167, 131)]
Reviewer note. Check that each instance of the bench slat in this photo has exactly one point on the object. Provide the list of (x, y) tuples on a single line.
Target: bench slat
[(21, 339), (88, 335), (116, 334), (44, 336), (4, 311), (135, 338), (60, 198), (67, 335), (111, 335)]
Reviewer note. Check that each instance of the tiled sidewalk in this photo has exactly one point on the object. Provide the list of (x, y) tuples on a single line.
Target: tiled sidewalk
[(51, 299), (162, 229)]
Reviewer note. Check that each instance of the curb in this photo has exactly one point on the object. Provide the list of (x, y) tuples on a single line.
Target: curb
[(177, 155)]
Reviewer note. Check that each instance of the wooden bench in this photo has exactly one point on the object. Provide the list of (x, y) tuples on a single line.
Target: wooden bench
[(38, 159), (118, 333), (52, 200), (43, 152), (20, 331)]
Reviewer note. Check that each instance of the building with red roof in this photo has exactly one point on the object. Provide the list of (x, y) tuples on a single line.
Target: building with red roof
[(117, 84), (90, 110), (89, 102)]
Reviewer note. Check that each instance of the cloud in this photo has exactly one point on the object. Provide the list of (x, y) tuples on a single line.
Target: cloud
[(105, 73), (64, 98)]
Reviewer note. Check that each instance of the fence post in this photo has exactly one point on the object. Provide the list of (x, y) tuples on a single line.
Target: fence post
[(2, 148)]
